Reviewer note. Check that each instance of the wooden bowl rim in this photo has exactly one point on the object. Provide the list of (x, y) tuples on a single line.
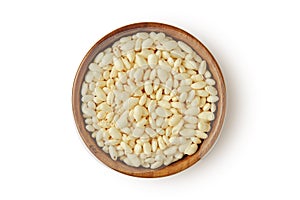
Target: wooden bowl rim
[(177, 34)]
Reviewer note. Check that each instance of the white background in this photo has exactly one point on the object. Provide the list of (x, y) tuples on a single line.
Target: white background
[(257, 44)]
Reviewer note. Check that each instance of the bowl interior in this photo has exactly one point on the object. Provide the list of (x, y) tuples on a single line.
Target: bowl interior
[(176, 34)]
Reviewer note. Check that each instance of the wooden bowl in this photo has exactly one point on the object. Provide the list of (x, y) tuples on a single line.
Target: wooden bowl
[(176, 34)]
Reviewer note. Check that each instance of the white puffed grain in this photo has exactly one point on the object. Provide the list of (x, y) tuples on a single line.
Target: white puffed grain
[(178, 156), (191, 149), (105, 149), (162, 112), (134, 160), (154, 145), (201, 134), (107, 59), (125, 39), (147, 74), (166, 140), (198, 85), (181, 77), (164, 104), (150, 160), (171, 61), (90, 128), (126, 130), (147, 43), (190, 119), (150, 132), (169, 84), (165, 55), (112, 152), (213, 107), (130, 55), (178, 105), (164, 65), (126, 63), (169, 45), (174, 120), (152, 60), (91, 105), (185, 47), (189, 64), (201, 103), (211, 90), (142, 35), (137, 149), (156, 165), (174, 140), (184, 88), (192, 111), (159, 156), (126, 148), (195, 140), (202, 67), (94, 67), (177, 54), (203, 126), (100, 94), (177, 128), (89, 112), (88, 121), (138, 44), (148, 87), (84, 89), (145, 53), (182, 97), (152, 74), (138, 132), (161, 143), (162, 75), (89, 77), (129, 45), (186, 82), (141, 123), (175, 84), (168, 160), (187, 132), (114, 133), (138, 75), (190, 126), (147, 148), (117, 52), (183, 146), (99, 57), (122, 122), (160, 37), (206, 115), (120, 153), (212, 99), (210, 81), (140, 61), (202, 93), (189, 56), (207, 74), (159, 121), (158, 95), (206, 107)]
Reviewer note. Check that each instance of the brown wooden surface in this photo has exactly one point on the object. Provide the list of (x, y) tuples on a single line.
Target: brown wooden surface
[(177, 34)]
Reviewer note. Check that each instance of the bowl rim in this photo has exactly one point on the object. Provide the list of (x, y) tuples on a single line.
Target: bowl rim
[(181, 164)]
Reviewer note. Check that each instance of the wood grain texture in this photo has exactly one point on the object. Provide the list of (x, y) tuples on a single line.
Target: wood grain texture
[(177, 34)]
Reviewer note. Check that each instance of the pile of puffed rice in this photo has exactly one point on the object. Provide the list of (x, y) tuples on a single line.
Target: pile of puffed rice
[(148, 100)]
